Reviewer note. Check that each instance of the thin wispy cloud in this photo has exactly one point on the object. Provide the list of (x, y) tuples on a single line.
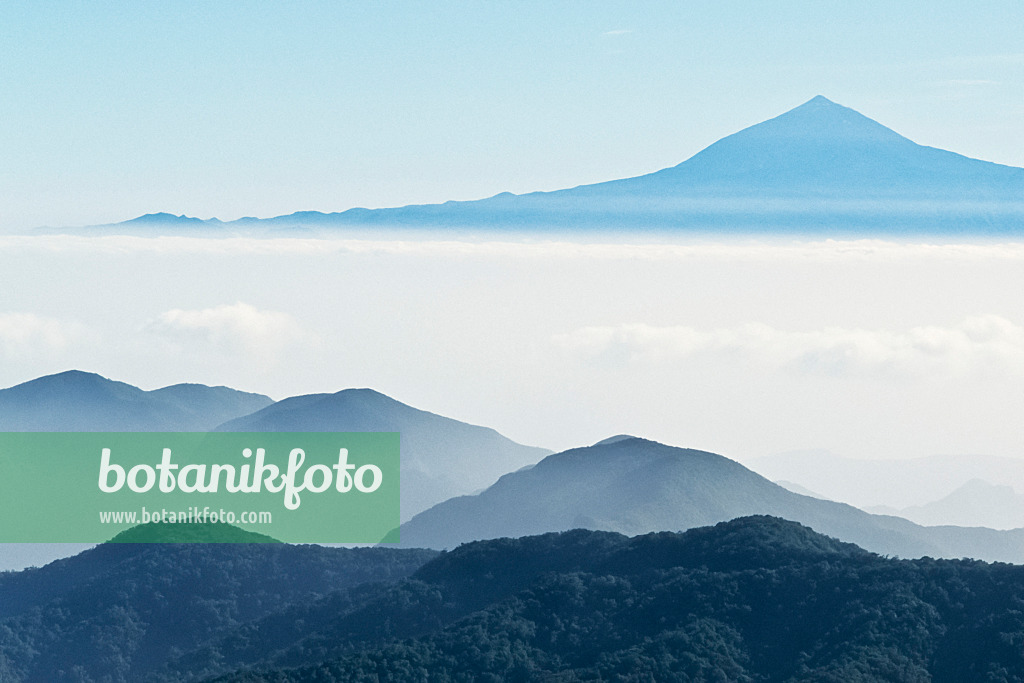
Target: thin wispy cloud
[(616, 32), (979, 344)]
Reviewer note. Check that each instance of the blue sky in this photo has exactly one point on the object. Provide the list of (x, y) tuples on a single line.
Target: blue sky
[(110, 109)]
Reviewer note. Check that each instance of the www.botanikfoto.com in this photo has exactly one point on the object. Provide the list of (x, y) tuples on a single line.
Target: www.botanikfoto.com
[(190, 516)]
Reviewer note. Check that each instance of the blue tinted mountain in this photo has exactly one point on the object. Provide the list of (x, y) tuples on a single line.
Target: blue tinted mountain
[(440, 457), (76, 401), (820, 168), (635, 486), (169, 219), (871, 483)]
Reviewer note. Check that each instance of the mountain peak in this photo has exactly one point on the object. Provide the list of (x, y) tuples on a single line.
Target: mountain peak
[(364, 393), (162, 218), (615, 439), (75, 400), (819, 121), (70, 380), (820, 101), (821, 106), (819, 149)]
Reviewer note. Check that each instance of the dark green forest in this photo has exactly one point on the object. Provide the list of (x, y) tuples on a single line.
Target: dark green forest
[(754, 599), (119, 611)]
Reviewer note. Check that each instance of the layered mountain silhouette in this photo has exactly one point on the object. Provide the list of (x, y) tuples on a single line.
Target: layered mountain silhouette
[(871, 483), (820, 168), (976, 503), (76, 401), (440, 457), (635, 486)]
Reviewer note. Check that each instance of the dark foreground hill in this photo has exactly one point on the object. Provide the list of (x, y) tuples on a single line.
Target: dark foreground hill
[(118, 611), (753, 600), (635, 486)]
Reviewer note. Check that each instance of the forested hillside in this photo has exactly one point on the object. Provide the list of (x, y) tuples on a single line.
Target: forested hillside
[(754, 599)]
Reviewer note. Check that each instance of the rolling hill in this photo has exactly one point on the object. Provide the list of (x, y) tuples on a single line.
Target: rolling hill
[(440, 457), (76, 401), (635, 486), (117, 611), (753, 599)]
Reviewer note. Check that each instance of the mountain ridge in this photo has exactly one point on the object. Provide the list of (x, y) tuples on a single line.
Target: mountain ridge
[(819, 167), (75, 400), (635, 486), (753, 599), (441, 457)]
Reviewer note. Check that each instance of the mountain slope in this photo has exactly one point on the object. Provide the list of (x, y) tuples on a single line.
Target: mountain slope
[(825, 150), (76, 401), (440, 457), (635, 486)]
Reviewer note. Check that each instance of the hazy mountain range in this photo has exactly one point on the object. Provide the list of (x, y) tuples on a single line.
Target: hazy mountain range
[(976, 503), (820, 169), (440, 457), (623, 484), (76, 401), (634, 486), (883, 482), (754, 598)]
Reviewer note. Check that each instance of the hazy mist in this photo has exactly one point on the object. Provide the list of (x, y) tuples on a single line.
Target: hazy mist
[(869, 349)]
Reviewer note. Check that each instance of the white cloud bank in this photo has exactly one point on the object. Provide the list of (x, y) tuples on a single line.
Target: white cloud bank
[(237, 328), (27, 335), (979, 344), (739, 250)]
